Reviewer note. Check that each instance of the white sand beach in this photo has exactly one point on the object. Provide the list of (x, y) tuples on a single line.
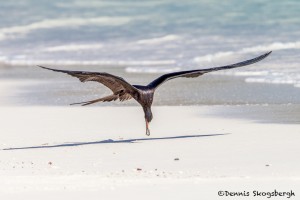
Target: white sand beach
[(103, 152)]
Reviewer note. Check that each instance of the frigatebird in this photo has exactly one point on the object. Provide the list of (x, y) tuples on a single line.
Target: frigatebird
[(123, 90)]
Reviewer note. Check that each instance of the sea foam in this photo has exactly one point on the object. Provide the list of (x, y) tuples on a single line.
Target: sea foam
[(259, 48), (11, 32), (29, 62), (73, 47), (159, 40), (151, 69)]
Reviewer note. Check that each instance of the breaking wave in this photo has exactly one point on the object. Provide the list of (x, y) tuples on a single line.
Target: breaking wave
[(74, 47), (159, 40), (11, 32), (260, 48), (151, 70), (22, 61), (275, 80)]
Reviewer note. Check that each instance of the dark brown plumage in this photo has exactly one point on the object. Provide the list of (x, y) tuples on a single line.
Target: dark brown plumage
[(123, 91)]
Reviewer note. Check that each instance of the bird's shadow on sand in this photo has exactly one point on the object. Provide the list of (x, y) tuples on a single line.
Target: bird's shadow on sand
[(110, 141)]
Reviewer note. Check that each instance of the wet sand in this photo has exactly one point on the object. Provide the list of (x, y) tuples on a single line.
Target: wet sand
[(32, 86)]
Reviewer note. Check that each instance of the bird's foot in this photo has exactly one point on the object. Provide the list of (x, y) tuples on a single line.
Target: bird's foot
[(147, 129)]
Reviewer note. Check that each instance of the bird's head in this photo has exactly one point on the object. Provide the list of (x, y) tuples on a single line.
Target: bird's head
[(148, 118)]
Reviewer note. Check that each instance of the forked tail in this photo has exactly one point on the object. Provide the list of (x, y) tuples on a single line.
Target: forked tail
[(103, 99)]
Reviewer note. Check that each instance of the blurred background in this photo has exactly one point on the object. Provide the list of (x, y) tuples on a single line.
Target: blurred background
[(140, 40)]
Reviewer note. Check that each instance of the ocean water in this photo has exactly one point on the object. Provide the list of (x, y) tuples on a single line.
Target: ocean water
[(155, 36)]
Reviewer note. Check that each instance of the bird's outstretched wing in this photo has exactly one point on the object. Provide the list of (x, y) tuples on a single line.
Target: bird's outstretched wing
[(195, 73), (121, 89)]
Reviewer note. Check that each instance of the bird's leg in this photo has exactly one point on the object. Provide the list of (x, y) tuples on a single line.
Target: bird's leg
[(147, 129)]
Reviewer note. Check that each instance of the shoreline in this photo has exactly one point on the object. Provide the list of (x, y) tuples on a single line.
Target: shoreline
[(32, 86)]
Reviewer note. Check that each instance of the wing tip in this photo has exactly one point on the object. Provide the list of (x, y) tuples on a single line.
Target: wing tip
[(263, 56), (55, 70), (44, 67), (40, 66), (268, 53)]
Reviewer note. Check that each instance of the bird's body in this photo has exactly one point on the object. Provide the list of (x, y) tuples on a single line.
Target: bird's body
[(144, 95)]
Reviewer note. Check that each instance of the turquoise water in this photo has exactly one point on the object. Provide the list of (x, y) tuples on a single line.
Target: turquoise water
[(155, 36)]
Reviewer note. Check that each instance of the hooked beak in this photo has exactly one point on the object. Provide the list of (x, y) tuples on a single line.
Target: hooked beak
[(147, 128)]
